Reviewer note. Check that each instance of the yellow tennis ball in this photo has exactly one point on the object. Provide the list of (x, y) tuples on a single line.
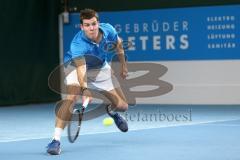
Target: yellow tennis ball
[(107, 121)]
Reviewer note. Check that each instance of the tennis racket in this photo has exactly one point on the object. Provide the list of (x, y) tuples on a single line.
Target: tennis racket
[(75, 122)]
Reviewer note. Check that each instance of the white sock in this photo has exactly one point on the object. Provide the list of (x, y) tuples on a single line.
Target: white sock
[(57, 133)]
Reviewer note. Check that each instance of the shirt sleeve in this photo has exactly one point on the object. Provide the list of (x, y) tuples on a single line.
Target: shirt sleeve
[(77, 47), (76, 50)]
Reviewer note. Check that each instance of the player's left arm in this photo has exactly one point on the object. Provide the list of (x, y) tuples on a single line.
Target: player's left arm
[(121, 57)]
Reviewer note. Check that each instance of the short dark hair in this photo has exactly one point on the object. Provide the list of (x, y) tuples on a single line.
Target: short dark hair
[(88, 14)]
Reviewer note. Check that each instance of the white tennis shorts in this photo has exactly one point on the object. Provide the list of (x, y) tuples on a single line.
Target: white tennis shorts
[(100, 79)]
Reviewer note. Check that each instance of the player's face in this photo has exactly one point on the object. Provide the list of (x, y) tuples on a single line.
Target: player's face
[(91, 28)]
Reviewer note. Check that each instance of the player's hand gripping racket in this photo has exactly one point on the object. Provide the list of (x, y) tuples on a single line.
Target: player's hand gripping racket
[(75, 122)]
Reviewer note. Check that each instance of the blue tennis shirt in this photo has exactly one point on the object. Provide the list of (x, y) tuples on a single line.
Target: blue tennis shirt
[(94, 54)]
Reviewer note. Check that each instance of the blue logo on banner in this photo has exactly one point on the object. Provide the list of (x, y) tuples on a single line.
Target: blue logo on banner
[(198, 33)]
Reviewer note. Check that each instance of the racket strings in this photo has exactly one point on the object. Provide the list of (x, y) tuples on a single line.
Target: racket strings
[(75, 124)]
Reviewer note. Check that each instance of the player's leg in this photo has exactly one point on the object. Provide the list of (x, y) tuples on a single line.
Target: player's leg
[(63, 111), (117, 99), (104, 81), (63, 115)]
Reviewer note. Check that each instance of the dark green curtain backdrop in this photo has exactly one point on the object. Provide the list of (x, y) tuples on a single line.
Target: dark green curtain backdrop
[(116, 5), (29, 50)]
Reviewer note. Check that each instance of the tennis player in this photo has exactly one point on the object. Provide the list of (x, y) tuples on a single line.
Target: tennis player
[(88, 51)]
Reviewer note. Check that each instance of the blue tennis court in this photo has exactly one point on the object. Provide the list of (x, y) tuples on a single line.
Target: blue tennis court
[(204, 132), (180, 64)]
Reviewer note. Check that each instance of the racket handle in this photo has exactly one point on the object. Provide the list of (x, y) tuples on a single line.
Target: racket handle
[(85, 103)]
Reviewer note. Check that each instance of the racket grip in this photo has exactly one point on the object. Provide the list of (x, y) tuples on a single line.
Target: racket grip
[(85, 103)]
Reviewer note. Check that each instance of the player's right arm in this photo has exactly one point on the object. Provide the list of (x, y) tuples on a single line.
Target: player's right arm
[(81, 71), (77, 50), (82, 78)]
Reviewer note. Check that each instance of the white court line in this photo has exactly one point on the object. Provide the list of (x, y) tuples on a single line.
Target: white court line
[(132, 130), (222, 125)]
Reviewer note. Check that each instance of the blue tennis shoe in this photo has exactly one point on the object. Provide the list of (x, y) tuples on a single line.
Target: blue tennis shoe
[(120, 122), (53, 148)]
